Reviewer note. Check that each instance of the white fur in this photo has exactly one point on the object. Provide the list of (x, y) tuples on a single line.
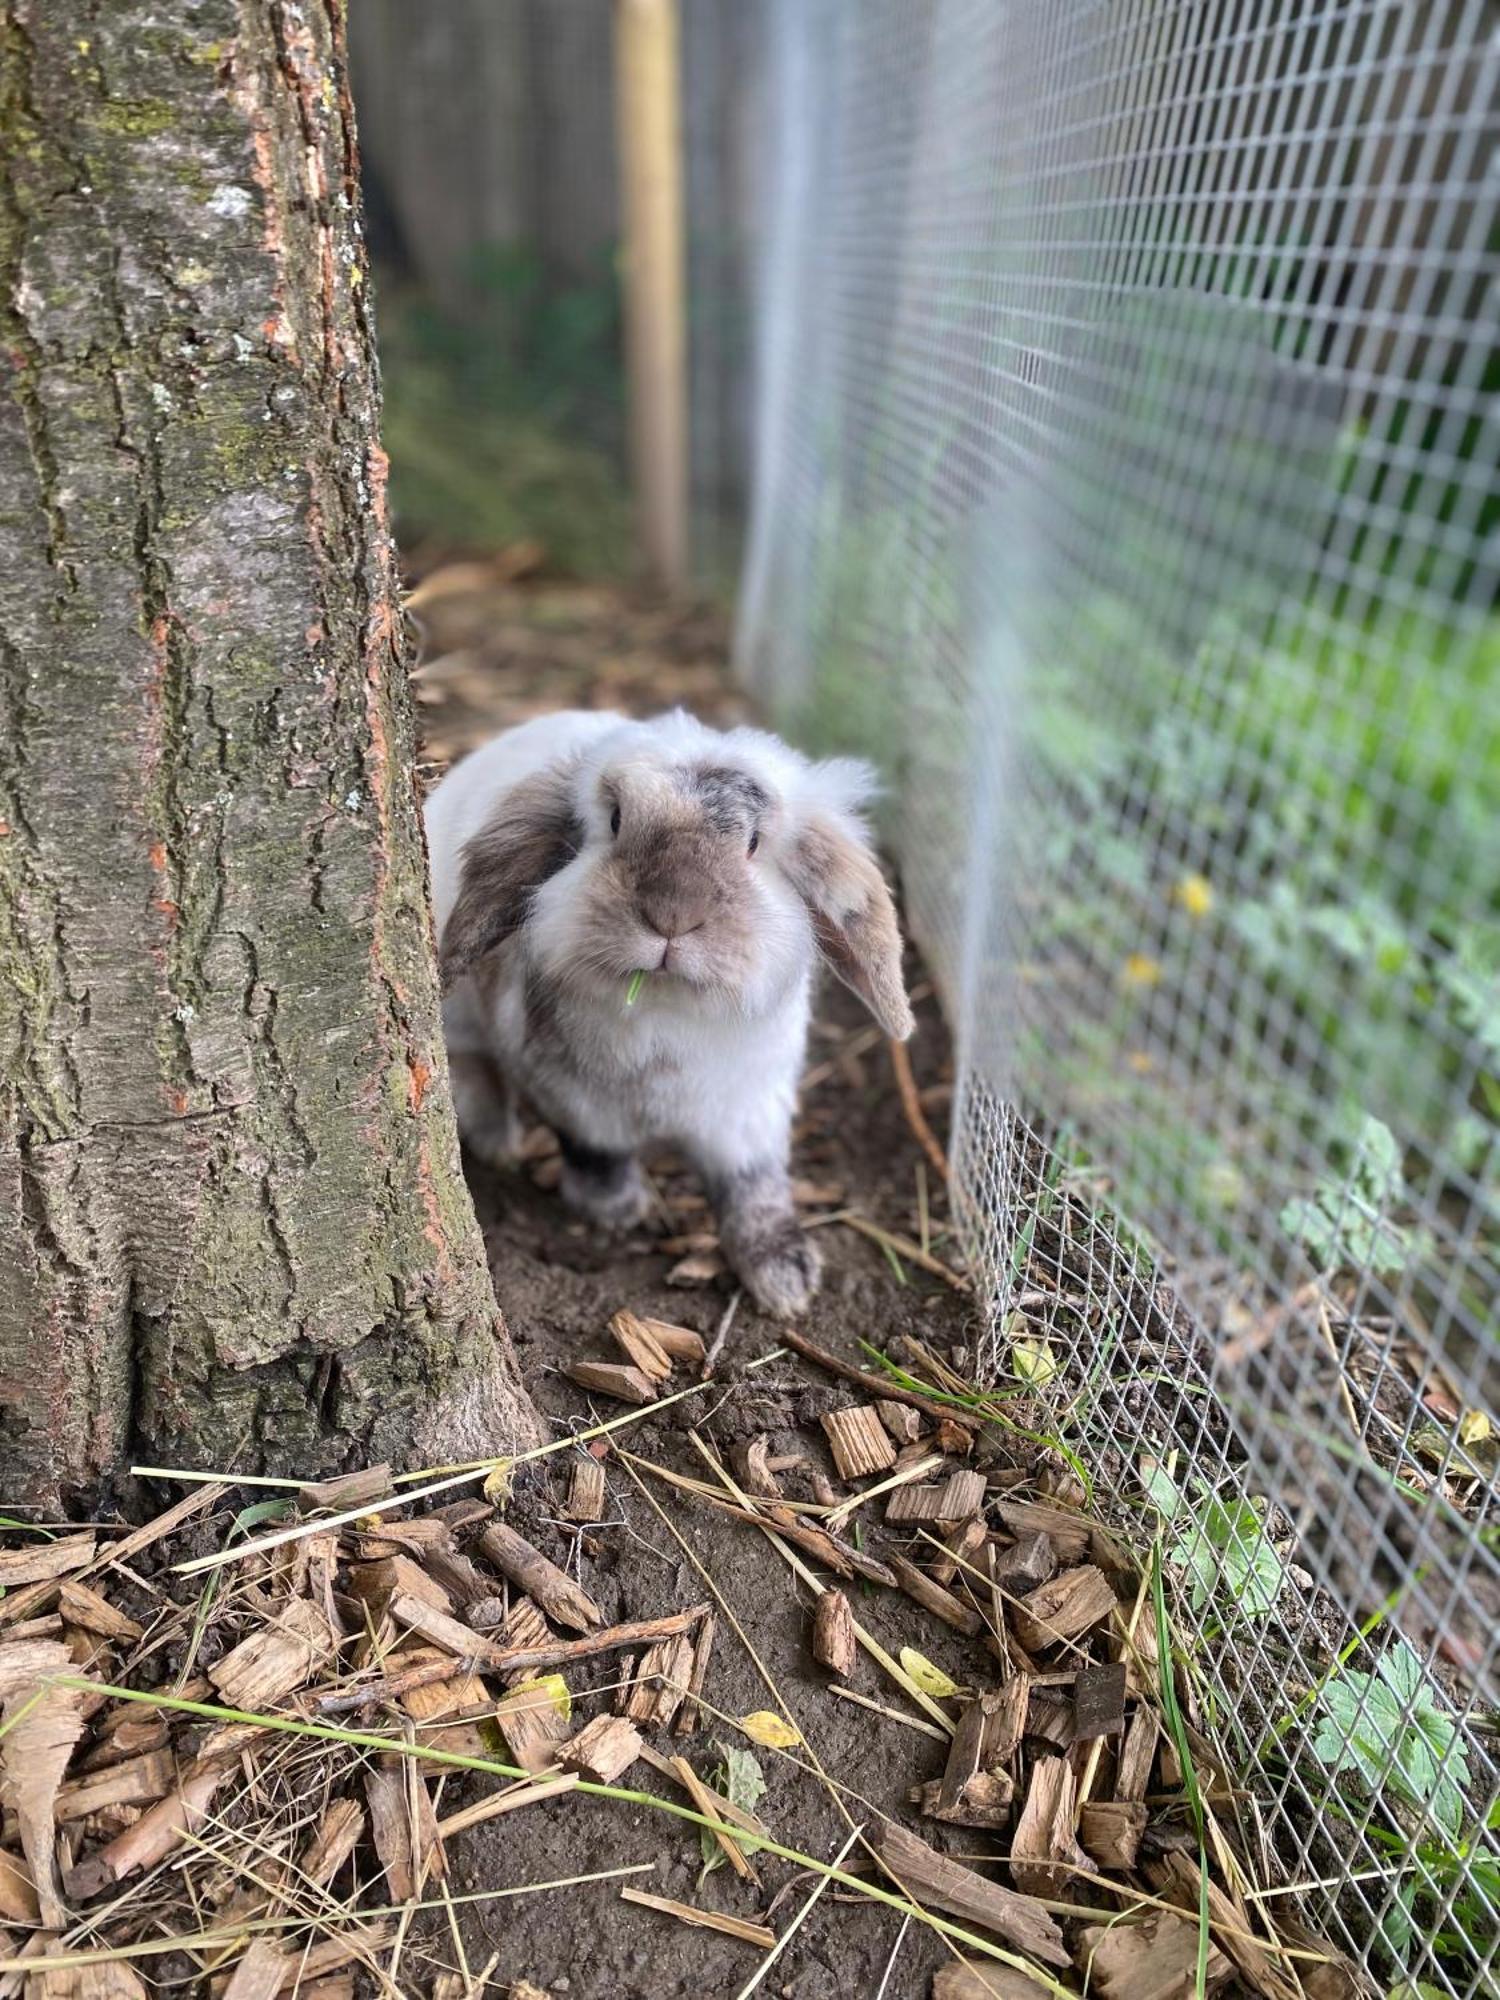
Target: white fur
[(727, 1088)]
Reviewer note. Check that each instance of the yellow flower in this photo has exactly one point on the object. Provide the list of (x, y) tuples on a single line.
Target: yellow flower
[(1141, 1061), (1141, 970), (1195, 894)]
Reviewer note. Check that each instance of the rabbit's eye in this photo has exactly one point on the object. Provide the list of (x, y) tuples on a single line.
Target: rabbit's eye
[(614, 820), (754, 842)]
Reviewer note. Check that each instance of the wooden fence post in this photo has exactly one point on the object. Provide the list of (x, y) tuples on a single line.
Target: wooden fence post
[(650, 148)]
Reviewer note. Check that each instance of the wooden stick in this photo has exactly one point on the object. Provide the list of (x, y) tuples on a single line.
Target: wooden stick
[(707, 1803), (529, 1570), (710, 1920), (911, 1104), (904, 1247), (650, 166), (877, 1385)]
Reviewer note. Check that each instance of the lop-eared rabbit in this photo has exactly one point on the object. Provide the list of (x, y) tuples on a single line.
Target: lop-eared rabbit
[(630, 920)]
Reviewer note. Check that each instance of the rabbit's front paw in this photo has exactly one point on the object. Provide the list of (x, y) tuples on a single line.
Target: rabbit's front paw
[(781, 1272)]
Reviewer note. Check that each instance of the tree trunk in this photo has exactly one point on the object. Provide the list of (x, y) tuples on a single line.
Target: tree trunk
[(233, 1229)]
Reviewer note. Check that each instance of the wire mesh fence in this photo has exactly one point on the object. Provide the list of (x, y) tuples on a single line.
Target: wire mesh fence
[(1126, 452)]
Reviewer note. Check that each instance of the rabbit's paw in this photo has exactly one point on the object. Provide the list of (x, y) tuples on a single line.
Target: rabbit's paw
[(780, 1271)]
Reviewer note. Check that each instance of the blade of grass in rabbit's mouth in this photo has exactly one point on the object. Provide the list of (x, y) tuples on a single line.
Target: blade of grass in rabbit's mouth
[(633, 990)]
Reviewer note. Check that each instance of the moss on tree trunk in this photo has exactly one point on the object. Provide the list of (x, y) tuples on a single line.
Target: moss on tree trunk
[(232, 1224)]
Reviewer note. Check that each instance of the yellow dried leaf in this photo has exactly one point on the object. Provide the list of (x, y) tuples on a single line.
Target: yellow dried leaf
[(930, 1679), (1033, 1361), (553, 1687), (773, 1730), (1474, 1427), (497, 1485), (1140, 969), (1195, 894)]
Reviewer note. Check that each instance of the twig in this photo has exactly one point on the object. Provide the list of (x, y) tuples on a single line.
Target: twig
[(721, 1334), (911, 1104), (505, 1802), (904, 1247), (877, 1385), (891, 1714)]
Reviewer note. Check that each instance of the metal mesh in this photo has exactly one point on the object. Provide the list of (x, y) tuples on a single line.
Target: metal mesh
[(1125, 484)]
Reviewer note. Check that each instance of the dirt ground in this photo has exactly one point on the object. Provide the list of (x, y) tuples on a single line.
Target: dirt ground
[(559, 1284)]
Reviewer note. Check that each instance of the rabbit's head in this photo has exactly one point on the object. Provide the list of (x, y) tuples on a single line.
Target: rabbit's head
[(716, 863)]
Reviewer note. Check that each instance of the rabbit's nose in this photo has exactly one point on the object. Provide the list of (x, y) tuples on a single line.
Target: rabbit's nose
[(676, 915)]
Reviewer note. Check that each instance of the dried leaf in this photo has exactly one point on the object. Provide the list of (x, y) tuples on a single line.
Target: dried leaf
[(930, 1679), (774, 1731)]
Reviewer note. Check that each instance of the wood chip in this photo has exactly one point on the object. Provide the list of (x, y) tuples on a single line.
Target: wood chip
[(529, 1570), (1068, 1533), (751, 1470), (335, 1838), (985, 1979), (1043, 1852), (931, 1877), (275, 1658), (712, 1920), (311, 1965), (1137, 1754), (1110, 1831), (859, 1441), (41, 1725), (985, 1739), (961, 1550), (85, 1607), (136, 1781), (585, 1501), (602, 1749), (1176, 1879), (18, 1903), (680, 1342), (915, 1503), (699, 1267), (963, 1495), (613, 1378), (404, 1830), (260, 1974), (1099, 1701), (532, 1722), (154, 1834), (640, 1347), (1018, 1569), (903, 1422), (374, 1584), (42, 1562), (833, 1642), (202, 1500), (660, 1682), (932, 1597), (982, 1800), (1155, 1958), (1071, 1604), (690, 1716), (455, 1638)]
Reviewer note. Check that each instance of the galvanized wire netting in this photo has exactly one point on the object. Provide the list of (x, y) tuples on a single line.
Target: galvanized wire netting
[(1126, 485)]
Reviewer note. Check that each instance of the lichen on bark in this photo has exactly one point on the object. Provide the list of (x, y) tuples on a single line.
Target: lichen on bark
[(232, 1225)]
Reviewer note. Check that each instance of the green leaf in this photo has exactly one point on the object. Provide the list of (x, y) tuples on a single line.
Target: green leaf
[(741, 1780)]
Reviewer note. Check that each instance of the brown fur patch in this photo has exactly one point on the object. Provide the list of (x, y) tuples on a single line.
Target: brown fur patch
[(531, 834), (854, 920)]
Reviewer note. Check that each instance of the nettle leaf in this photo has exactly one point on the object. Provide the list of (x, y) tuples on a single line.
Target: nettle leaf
[(1402, 1673)]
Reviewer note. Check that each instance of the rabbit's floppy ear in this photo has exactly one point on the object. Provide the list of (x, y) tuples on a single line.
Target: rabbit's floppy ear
[(532, 833), (854, 920)]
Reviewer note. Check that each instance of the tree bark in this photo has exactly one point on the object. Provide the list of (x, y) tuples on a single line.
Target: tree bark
[(233, 1229)]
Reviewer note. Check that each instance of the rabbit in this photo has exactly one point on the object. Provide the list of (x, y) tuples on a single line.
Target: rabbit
[(630, 916)]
